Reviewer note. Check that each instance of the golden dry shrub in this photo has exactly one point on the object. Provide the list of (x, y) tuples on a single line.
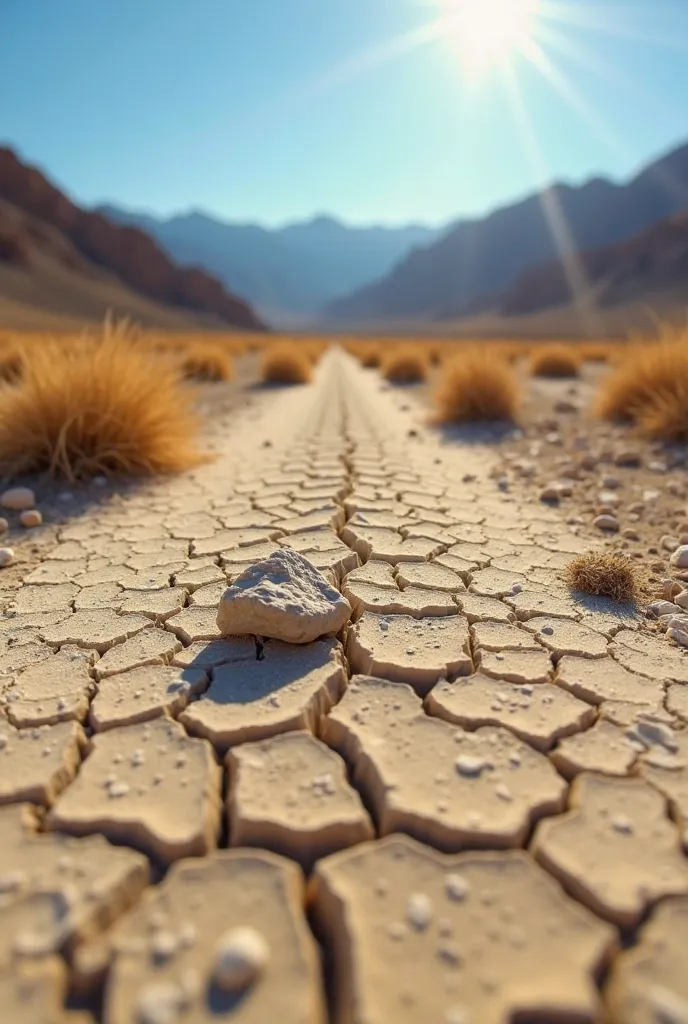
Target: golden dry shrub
[(207, 361), (106, 407), (477, 385), (606, 574), (650, 388), (285, 363), (555, 361), (11, 364), (407, 364)]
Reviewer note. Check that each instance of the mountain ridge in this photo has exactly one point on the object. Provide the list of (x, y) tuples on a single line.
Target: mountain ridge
[(482, 258), (125, 252), (287, 272)]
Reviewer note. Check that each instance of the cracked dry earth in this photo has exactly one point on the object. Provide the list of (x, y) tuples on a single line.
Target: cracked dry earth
[(470, 808)]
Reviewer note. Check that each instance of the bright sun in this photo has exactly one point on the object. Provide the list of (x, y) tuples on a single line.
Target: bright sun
[(488, 32)]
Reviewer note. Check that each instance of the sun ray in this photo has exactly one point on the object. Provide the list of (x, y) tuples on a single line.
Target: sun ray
[(561, 234)]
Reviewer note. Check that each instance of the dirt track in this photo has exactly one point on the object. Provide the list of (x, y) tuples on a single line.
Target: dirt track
[(459, 811)]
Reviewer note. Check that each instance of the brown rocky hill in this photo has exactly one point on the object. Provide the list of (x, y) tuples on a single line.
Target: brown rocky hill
[(479, 259), (39, 225), (652, 266)]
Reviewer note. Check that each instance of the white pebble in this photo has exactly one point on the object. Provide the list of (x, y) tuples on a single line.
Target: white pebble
[(470, 767), (6, 557), (419, 911), (457, 887), (241, 955)]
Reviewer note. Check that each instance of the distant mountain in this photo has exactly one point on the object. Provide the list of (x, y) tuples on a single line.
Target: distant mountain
[(478, 261), (286, 272), (651, 267), (60, 257)]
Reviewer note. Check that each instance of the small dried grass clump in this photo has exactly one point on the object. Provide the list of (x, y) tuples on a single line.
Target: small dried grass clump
[(207, 361), (606, 574), (477, 386), (285, 363), (555, 361), (650, 388), (106, 407), (405, 366), (11, 364)]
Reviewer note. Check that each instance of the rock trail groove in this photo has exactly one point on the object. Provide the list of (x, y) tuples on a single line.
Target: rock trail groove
[(481, 775)]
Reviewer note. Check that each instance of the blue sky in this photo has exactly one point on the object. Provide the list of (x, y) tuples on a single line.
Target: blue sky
[(272, 110)]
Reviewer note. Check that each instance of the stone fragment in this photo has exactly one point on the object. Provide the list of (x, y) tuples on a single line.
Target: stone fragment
[(37, 764), (605, 749), (290, 794), (431, 780), (679, 558), (143, 693), (147, 785), (289, 689), (540, 715), (232, 920), (648, 982), (615, 849), (31, 518), (606, 523), (6, 557), (499, 919), (404, 649), (18, 499), (284, 598)]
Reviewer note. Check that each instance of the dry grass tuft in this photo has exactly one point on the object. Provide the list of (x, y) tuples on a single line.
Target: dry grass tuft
[(207, 361), (285, 363), (606, 574), (408, 365), (650, 388), (555, 361), (477, 386), (104, 407), (11, 364)]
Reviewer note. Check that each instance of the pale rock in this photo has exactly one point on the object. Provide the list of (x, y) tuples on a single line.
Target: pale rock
[(6, 557), (18, 499), (680, 557), (608, 523), (240, 958), (31, 518), (682, 600), (283, 597)]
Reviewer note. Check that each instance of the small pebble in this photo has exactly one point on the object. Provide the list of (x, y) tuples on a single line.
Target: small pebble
[(31, 518), (241, 955), (6, 557), (4, 525), (18, 498), (419, 911), (607, 523)]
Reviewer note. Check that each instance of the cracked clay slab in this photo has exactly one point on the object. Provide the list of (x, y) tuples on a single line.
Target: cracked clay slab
[(148, 785), (247, 700), (435, 781), (458, 938), (615, 849), (290, 794), (407, 650), (168, 952)]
